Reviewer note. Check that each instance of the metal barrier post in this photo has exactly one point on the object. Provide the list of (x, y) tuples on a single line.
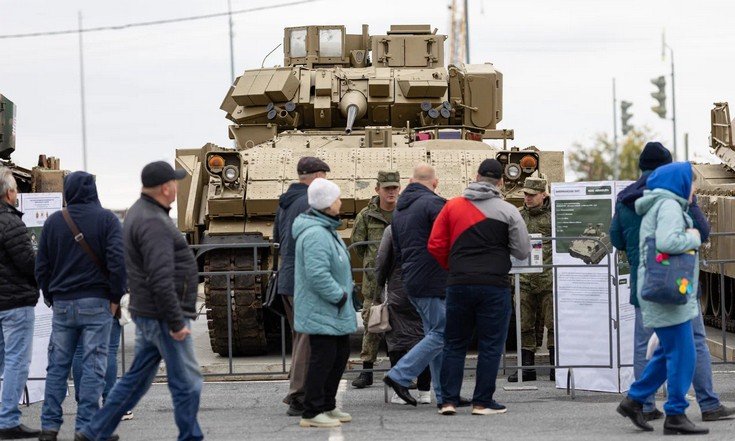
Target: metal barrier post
[(519, 372), (283, 345), (229, 323), (122, 345)]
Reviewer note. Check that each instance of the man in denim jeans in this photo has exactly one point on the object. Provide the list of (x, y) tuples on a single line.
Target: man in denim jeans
[(423, 279), (473, 237), (18, 296), (163, 291), (84, 285)]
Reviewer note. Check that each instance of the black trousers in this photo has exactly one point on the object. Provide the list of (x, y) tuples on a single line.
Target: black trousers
[(423, 382), (327, 363)]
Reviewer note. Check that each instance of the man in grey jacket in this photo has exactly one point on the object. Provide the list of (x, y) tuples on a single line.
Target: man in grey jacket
[(162, 273)]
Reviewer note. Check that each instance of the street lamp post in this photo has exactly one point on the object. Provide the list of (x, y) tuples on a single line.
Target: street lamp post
[(673, 91)]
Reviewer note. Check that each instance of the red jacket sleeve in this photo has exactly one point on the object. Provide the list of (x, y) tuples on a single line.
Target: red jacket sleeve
[(440, 240)]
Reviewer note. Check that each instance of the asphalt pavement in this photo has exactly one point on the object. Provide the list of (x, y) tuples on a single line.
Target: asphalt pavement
[(253, 411)]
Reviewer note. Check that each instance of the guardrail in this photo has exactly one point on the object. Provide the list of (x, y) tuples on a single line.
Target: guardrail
[(612, 301)]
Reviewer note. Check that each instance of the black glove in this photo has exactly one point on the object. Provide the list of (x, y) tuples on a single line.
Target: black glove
[(342, 301)]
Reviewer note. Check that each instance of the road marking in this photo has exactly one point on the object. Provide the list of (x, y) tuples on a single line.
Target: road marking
[(335, 434)]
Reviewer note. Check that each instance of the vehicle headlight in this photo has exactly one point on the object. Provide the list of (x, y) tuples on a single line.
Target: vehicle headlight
[(512, 171), (230, 173)]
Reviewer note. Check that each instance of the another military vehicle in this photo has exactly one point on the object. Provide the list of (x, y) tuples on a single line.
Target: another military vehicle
[(46, 177), (594, 249), (362, 103), (716, 197)]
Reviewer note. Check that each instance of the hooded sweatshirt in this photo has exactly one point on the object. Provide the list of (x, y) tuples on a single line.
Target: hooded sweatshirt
[(475, 235), (63, 269), (415, 212), (664, 210), (291, 204)]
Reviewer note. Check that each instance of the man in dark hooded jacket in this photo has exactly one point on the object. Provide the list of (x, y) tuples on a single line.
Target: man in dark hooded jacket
[(423, 279), (84, 295), (624, 234), (291, 204)]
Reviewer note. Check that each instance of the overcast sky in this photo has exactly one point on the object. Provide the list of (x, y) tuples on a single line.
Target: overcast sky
[(154, 89)]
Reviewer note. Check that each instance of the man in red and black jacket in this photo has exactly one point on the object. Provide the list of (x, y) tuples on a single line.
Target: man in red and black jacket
[(473, 237)]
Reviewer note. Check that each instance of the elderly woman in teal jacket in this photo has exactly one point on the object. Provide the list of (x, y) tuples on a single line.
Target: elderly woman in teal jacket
[(664, 210), (323, 302)]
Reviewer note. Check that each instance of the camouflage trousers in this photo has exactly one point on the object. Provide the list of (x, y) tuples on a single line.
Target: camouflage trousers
[(536, 308), (370, 341)]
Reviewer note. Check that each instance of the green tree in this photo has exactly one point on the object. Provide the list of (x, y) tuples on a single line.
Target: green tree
[(596, 162)]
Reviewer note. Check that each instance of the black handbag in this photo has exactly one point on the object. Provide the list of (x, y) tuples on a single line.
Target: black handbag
[(273, 300)]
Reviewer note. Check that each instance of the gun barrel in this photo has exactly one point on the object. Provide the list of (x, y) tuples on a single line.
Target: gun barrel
[(353, 106)]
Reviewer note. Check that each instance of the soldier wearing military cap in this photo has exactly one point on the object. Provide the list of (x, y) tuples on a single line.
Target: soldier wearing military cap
[(369, 226), (536, 289)]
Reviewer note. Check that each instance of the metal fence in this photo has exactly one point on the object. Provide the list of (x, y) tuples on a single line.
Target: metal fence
[(610, 264)]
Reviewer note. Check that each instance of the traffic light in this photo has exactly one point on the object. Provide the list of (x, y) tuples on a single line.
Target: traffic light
[(625, 116), (659, 96)]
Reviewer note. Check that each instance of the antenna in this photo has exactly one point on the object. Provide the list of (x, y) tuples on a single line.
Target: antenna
[(268, 54)]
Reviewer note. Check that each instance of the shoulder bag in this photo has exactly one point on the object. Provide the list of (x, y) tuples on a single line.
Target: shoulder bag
[(273, 301), (669, 277)]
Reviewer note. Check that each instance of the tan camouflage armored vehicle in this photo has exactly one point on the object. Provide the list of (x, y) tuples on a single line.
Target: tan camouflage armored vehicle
[(716, 197), (360, 102)]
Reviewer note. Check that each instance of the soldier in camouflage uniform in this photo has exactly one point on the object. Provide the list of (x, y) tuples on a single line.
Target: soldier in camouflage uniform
[(369, 226), (536, 289)]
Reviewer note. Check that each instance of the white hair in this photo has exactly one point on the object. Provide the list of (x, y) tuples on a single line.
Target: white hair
[(7, 181)]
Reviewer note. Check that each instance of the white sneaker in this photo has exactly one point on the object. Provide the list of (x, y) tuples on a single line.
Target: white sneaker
[(424, 397), (395, 399), (342, 417), (321, 420), (127, 415)]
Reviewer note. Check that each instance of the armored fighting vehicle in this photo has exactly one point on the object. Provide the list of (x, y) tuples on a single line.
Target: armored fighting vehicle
[(716, 197), (360, 102), (45, 177), (592, 250)]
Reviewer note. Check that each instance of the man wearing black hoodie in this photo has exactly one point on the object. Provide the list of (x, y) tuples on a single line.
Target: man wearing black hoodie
[(624, 234), (84, 292), (292, 203)]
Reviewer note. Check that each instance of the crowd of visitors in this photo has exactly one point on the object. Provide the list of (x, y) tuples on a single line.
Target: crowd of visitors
[(440, 269)]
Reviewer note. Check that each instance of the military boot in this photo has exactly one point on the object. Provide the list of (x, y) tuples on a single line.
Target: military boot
[(552, 361), (527, 359), (365, 379)]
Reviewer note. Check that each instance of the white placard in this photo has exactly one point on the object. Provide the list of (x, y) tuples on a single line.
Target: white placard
[(587, 325), (534, 259), (37, 207)]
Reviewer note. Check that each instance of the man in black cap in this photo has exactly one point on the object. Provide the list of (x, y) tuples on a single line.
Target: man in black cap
[(163, 280), (292, 203), (473, 238)]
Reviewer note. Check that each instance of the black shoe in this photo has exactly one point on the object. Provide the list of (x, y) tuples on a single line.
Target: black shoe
[(48, 435), (634, 410), (365, 379), (79, 436), (655, 414), (680, 425), (527, 359), (401, 391), (20, 431), (721, 413), (296, 408)]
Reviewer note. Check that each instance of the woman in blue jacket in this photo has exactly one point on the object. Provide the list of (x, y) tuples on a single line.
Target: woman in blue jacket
[(323, 302), (664, 210)]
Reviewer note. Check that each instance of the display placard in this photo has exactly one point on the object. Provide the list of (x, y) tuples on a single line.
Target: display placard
[(593, 312)]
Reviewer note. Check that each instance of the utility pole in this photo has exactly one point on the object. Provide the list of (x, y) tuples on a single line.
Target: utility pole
[(466, 32), (665, 46), (616, 163), (232, 51), (686, 146), (81, 78)]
